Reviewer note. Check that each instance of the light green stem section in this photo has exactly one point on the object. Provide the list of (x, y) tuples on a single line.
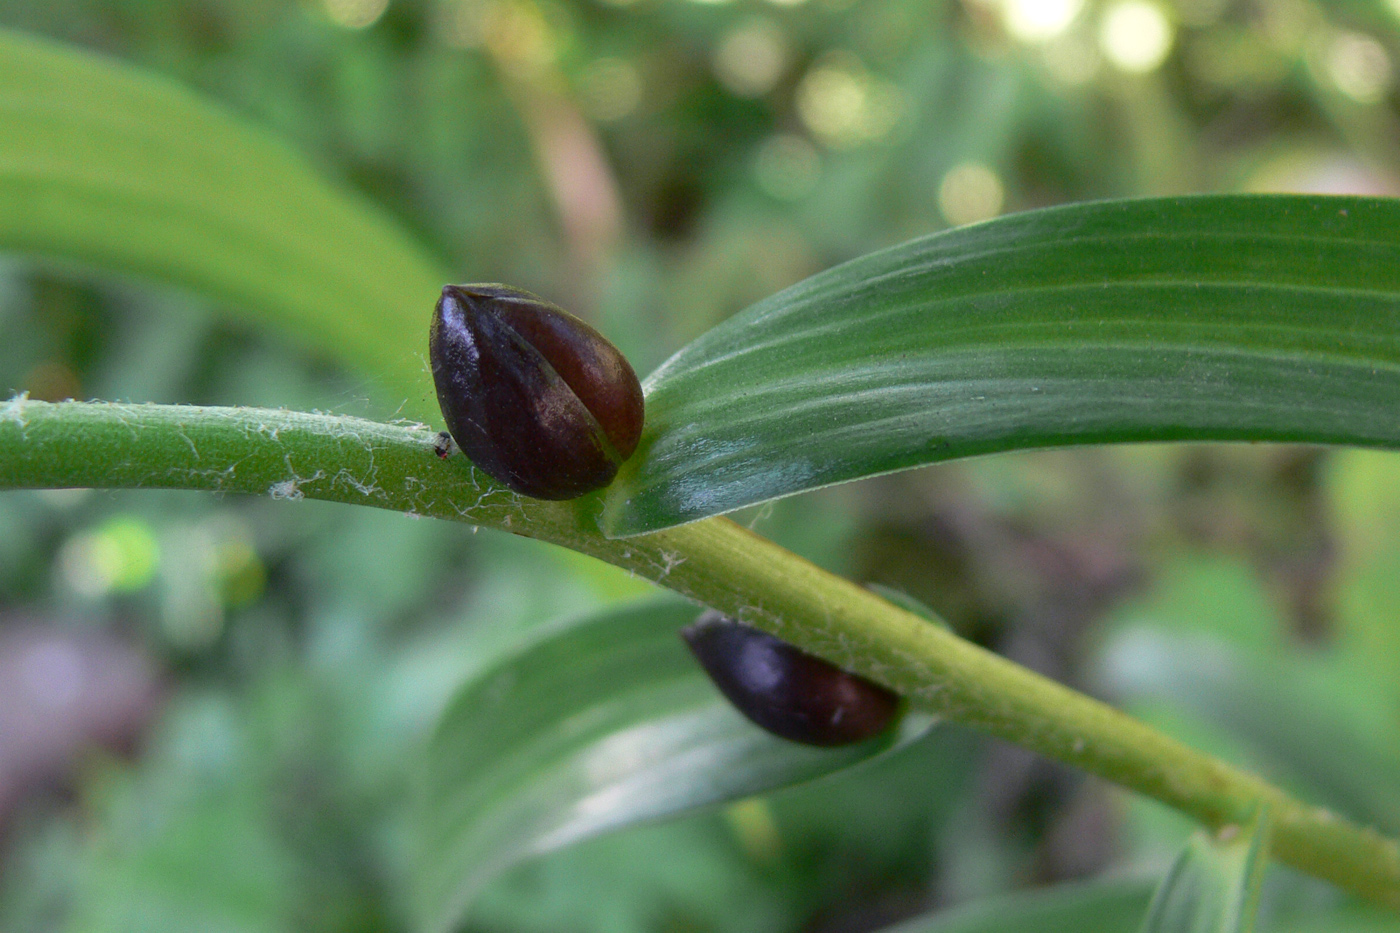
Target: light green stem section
[(293, 455)]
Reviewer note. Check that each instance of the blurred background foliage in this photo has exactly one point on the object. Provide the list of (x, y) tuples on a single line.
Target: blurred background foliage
[(209, 709)]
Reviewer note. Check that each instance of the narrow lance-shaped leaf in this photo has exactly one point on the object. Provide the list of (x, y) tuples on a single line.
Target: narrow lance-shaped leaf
[(122, 170), (1112, 906), (125, 171), (606, 722), (1214, 885), (1209, 318)]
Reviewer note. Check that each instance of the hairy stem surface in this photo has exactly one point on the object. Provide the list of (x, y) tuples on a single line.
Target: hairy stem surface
[(292, 455)]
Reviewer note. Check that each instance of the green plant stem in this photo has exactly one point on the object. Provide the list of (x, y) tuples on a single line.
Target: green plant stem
[(294, 455)]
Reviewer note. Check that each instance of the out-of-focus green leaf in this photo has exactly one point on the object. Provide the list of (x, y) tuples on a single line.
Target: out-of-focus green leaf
[(1368, 922), (1209, 318), (125, 171), (1214, 885), (1289, 711), (114, 168), (1101, 907), (606, 722), (1215, 595), (192, 839), (1363, 492)]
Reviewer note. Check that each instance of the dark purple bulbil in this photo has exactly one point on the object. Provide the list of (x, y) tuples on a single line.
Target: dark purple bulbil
[(534, 397), (787, 691)]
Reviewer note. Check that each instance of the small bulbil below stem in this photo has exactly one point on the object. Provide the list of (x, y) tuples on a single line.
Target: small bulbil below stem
[(792, 694)]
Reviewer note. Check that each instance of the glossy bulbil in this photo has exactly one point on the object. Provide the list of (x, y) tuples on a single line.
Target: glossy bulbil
[(784, 689), (534, 397)]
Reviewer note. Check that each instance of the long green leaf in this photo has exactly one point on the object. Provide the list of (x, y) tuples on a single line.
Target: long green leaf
[(1214, 885), (1210, 318), (114, 168), (1095, 907), (121, 170), (606, 722)]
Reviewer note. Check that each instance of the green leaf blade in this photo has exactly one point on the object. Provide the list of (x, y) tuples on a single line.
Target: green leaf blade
[(1213, 318), (605, 723), (1214, 885), (1108, 906), (106, 166)]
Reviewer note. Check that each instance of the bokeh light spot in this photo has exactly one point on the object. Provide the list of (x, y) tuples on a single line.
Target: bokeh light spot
[(844, 105), (355, 14), (755, 829), (1039, 20), (1359, 66), (240, 572), (518, 35), (214, 564), (970, 192), (751, 58), (1136, 36), (121, 556)]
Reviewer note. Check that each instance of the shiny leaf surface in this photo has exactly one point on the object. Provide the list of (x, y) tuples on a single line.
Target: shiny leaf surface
[(1101, 906), (604, 723), (1209, 318)]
